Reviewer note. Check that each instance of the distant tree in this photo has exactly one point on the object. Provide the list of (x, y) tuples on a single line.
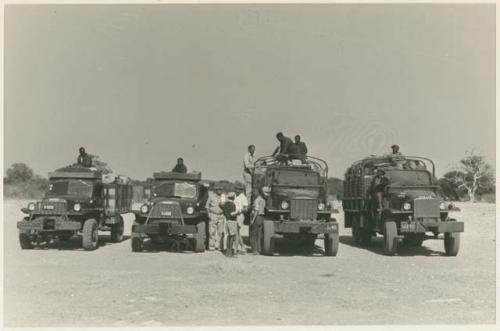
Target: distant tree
[(474, 176), (449, 186), (100, 165), (18, 173)]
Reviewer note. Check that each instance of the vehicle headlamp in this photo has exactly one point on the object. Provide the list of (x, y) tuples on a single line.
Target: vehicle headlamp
[(31, 206), (406, 206), (442, 206), (77, 207), (190, 210), (284, 205), (321, 206), (144, 209)]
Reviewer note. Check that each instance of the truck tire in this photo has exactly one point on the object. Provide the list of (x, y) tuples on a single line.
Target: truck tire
[(117, 231), (390, 240), (331, 244), (137, 244), (413, 240), (268, 244), (199, 239), (25, 241), (90, 235), (451, 243)]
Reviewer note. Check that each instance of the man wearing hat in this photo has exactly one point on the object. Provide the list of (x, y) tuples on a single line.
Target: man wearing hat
[(377, 188), (257, 220), (216, 217), (241, 203)]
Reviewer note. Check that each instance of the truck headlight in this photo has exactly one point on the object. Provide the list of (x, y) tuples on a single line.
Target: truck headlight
[(77, 207), (144, 209), (321, 206), (442, 206), (406, 206), (190, 210), (284, 205), (31, 206)]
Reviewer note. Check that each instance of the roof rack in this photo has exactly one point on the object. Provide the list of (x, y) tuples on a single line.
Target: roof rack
[(192, 176), (374, 159), (76, 171), (310, 162)]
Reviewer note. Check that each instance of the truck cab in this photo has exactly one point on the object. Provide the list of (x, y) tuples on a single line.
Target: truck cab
[(77, 201), (296, 208), (174, 211), (411, 204)]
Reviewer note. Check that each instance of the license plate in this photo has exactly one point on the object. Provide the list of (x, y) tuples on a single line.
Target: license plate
[(166, 213), (49, 207), (408, 226)]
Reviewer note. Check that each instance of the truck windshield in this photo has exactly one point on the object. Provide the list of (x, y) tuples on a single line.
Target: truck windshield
[(295, 178), (75, 187), (175, 189), (409, 178)]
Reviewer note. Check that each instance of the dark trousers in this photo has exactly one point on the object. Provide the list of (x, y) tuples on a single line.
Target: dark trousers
[(256, 234)]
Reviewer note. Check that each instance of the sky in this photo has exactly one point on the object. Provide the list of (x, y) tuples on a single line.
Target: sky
[(140, 85)]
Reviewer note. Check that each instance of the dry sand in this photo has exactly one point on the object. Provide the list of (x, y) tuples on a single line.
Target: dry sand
[(66, 286)]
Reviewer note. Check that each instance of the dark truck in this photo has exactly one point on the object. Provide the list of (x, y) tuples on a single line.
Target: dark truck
[(296, 208), (412, 205), (174, 211), (78, 201)]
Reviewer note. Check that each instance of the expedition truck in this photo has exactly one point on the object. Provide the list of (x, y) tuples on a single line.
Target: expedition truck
[(80, 201), (412, 205)]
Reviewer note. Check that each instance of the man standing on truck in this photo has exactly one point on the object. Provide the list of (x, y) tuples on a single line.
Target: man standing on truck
[(216, 219), (248, 168), (301, 148), (84, 159), (377, 189), (283, 150), (180, 167)]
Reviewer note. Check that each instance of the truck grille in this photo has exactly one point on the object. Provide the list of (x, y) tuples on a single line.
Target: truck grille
[(303, 209), (53, 207), (166, 210), (426, 208)]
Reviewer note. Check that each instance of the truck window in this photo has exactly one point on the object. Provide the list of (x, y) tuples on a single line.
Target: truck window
[(175, 189), (409, 178), (74, 187)]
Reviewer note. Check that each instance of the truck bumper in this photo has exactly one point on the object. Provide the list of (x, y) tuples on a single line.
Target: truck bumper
[(301, 227), (422, 227), (164, 229), (49, 224)]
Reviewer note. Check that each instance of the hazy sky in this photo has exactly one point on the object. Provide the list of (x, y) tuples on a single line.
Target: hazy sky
[(140, 85)]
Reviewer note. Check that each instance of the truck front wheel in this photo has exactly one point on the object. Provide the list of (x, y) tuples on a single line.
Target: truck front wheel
[(25, 241), (199, 240), (90, 235), (137, 244), (268, 244), (452, 243), (331, 244)]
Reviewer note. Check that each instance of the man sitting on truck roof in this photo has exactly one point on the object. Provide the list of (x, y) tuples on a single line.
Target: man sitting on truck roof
[(283, 150), (397, 158), (180, 167), (84, 159)]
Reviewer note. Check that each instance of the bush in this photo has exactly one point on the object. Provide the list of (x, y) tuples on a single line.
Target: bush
[(32, 189), (488, 197)]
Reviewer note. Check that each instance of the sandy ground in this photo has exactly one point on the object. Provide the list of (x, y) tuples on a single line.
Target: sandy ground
[(66, 286)]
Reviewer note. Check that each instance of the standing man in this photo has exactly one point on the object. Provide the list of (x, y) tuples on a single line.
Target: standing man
[(241, 203), (216, 219), (377, 189), (301, 148), (231, 227), (257, 220), (248, 168), (180, 167), (281, 152), (84, 159)]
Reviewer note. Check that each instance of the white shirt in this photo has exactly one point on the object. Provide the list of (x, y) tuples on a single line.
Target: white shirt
[(248, 162), (240, 202)]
